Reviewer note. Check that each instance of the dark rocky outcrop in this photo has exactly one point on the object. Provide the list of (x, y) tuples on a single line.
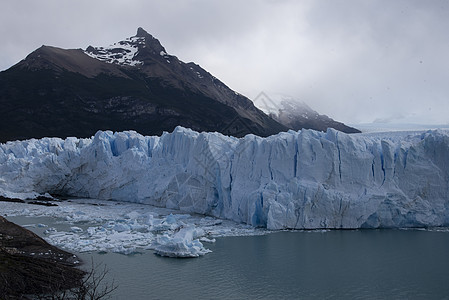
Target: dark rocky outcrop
[(29, 265)]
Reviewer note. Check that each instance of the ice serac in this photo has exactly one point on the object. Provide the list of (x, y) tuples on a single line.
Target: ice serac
[(304, 179)]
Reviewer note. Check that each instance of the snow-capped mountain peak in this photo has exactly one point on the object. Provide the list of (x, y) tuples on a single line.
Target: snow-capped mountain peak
[(121, 53), (125, 52)]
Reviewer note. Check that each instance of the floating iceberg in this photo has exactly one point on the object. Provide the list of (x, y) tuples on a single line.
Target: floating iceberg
[(301, 180), (184, 243)]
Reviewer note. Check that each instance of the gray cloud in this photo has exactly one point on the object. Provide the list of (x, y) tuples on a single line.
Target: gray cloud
[(356, 61)]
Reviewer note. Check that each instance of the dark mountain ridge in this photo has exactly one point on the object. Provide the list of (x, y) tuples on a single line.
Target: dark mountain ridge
[(131, 85)]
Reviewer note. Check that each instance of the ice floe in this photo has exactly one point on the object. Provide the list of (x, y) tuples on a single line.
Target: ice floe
[(88, 225)]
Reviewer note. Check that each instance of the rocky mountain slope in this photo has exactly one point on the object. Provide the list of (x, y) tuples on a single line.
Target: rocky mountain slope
[(133, 84)]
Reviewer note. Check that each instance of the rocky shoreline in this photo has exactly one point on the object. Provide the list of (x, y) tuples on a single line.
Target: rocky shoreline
[(39, 200), (31, 266)]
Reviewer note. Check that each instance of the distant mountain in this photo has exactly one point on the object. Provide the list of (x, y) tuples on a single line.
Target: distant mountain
[(296, 115), (131, 85)]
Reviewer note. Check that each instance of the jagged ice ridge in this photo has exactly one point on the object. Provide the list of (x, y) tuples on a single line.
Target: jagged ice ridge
[(302, 180)]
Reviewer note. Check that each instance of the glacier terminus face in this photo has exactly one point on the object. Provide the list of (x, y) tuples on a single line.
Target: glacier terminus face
[(299, 180)]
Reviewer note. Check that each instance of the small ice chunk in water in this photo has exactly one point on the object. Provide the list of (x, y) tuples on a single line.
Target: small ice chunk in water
[(149, 220), (121, 227), (132, 215), (207, 240), (183, 243), (50, 230), (170, 219), (76, 229)]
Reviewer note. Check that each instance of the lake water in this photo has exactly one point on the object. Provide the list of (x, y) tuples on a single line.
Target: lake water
[(361, 264), (378, 264)]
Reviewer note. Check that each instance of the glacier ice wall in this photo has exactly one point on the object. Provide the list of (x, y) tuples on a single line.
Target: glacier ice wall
[(304, 179)]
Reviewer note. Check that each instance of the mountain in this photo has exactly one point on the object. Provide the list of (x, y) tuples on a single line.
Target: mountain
[(305, 179), (131, 85), (297, 115)]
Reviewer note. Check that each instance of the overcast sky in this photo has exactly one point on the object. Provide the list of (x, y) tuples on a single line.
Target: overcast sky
[(354, 60)]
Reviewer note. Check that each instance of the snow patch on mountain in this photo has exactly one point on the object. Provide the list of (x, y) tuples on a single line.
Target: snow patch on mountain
[(303, 180), (121, 53)]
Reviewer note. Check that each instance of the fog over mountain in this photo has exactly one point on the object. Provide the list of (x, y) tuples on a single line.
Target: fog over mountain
[(354, 61)]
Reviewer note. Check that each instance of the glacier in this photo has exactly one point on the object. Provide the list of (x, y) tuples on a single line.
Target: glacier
[(292, 180)]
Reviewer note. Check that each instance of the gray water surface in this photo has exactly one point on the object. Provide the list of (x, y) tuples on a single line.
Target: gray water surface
[(366, 264), (349, 264)]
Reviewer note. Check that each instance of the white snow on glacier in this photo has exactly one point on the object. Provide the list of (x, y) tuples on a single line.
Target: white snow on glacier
[(300, 180)]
